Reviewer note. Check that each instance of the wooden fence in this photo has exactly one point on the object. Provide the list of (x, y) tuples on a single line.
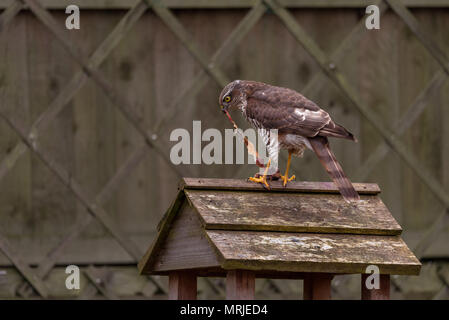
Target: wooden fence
[(84, 151)]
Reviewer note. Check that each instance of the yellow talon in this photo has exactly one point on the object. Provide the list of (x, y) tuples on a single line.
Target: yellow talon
[(286, 179), (262, 179)]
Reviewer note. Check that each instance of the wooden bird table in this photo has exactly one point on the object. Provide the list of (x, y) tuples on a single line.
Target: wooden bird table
[(238, 230)]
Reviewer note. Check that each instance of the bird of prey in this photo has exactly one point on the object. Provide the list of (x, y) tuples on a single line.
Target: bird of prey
[(299, 122)]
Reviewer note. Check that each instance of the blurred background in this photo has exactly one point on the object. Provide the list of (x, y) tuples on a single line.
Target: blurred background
[(85, 173)]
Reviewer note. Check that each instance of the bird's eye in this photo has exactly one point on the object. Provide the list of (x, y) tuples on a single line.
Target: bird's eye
[(227, 99)]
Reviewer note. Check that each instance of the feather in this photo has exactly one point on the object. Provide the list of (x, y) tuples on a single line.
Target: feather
[(337, 131), (321, 147)]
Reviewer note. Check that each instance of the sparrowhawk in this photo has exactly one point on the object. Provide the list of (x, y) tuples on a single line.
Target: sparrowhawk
[(299, 122)]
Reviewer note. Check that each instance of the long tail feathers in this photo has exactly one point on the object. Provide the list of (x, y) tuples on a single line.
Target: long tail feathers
[(321, 147)]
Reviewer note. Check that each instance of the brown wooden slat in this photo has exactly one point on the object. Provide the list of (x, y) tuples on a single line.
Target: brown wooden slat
[(182, 285), (259, 274), (165, 224), (8, 15), (292, 212), (307, 252), (240, 285), (317, 286), (293, 186)]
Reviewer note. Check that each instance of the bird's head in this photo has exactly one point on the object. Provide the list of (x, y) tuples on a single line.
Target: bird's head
[(232, 96)]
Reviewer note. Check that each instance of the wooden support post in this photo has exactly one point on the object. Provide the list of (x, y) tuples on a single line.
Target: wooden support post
[(240, 285), (182, 285), (317, 286), (383, 293)]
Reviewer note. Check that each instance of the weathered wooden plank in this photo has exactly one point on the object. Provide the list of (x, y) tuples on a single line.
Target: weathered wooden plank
[(218, 272), (227, 4), (180, 243), (292, 212), (184, 247), (307, 252), (293, 186), (164, 226)]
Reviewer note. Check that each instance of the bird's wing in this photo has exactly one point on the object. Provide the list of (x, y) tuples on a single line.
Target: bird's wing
[(287, 111)]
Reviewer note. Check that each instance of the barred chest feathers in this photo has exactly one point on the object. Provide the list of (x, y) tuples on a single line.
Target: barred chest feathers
[(270, 142)]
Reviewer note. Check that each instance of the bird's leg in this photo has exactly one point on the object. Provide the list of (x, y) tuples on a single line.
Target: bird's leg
[(285, 177), (262, 179)]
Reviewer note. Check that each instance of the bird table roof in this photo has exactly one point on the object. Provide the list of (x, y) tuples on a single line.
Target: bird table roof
[(224, 224)]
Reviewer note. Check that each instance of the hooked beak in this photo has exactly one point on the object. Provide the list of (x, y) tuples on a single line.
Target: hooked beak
[(224, 109)]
